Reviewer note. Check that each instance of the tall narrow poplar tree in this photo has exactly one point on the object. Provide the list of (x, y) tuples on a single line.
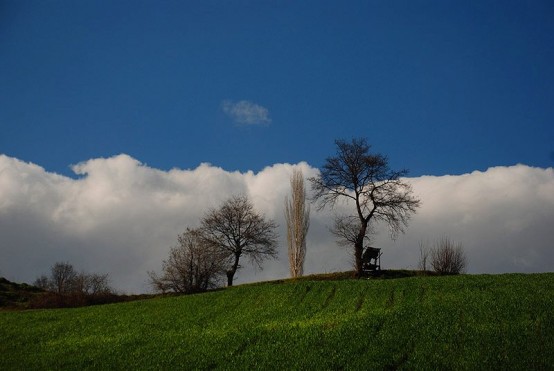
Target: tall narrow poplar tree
[(297, 215)]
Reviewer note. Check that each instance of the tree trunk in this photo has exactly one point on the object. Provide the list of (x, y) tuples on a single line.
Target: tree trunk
[(230, 275), (231, 272), (359, 249)]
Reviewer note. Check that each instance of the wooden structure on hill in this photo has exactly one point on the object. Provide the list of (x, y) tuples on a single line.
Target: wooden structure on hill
[(371, 259)]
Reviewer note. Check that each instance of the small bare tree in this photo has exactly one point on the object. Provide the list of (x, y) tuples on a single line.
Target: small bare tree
[(448, 257), (99, 284), (42, 282), (237, 229), (92, 284), (378, 193), (62, 278), (297, 215), (194, 265), (423, 256)]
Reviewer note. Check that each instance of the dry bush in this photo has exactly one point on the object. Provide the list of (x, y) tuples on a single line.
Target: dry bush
[(448, 257)]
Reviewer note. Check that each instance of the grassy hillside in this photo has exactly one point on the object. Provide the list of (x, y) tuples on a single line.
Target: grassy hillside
[(16, 295), (456, 322)]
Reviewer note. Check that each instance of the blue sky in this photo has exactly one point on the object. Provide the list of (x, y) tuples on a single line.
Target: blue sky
[(441, 87)]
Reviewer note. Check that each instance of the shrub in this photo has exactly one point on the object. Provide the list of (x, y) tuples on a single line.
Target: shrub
[(448, 257)]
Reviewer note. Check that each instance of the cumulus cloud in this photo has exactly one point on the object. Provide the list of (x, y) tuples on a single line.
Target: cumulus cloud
[(121, 217), (246, 113)]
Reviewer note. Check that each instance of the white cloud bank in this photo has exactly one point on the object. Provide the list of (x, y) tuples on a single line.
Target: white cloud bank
[(246, 113), (121, 217)]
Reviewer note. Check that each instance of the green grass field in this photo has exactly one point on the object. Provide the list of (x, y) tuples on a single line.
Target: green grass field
[(454, 322)]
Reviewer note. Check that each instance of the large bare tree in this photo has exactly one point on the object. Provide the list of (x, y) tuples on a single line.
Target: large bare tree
[(297, 215), (378, 193), (238, 230), (194, 265)]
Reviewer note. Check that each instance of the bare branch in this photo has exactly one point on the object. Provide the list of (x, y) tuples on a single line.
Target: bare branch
[(347, 229)]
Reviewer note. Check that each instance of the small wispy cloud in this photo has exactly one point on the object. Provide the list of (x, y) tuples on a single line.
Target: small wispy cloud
[(246, 113)]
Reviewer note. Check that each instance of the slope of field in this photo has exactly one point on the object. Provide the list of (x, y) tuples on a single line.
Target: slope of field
[(16, 295), (456, 322)]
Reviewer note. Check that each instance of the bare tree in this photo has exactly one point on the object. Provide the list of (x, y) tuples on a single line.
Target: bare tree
[(92, 284), (64, 279), (237, 230), (297, 215), (42, 282), (378, 193), (194, 265), (423, 256), (448, 257), (99, 284), (81, 283), (63, 276)]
